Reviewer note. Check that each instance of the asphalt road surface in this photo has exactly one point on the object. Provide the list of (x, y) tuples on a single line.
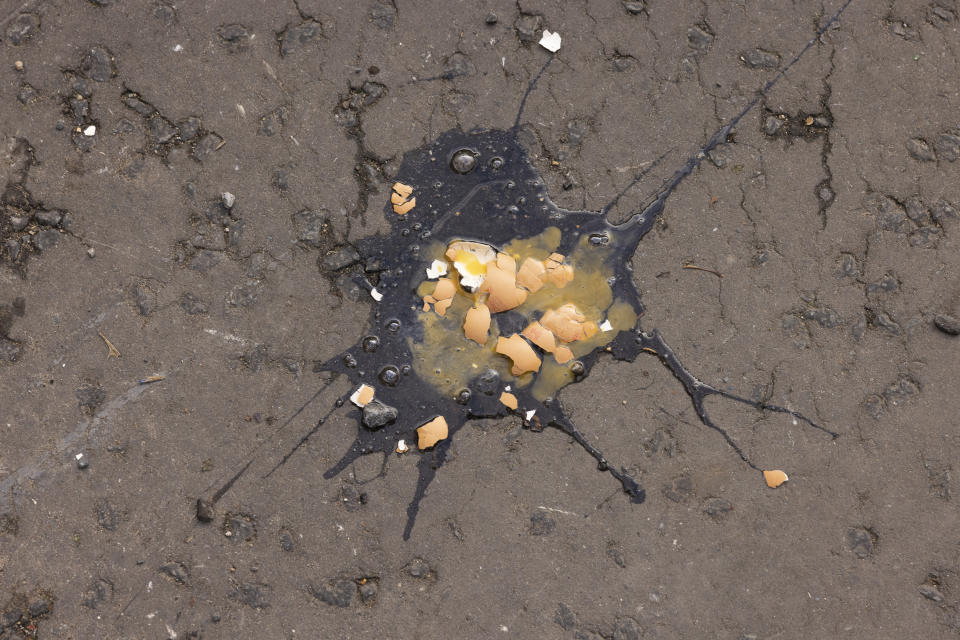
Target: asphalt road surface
[(810, 261)]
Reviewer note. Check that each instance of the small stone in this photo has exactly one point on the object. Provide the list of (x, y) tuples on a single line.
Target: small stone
[(383, 15), (252, 594), (313, 228), (760, 59), (824, 316), (947, 146), (919, 149), (635, 8), (135, 102), (108, 516), (337, 592), (377, 415), (50, 218), (700, 38), (527, 25), (18, 65), (717, 507), (948, 324), (22, 28), (235, 36), (204, 260), (228, 199), (491, 19), (861, 542), (98, 64), (189, 128), (91, 252), (240, 527), (286, 540), (916, 210), (294, 37), (541, 524), (368, 589), (39, 608), (627, 629), (82, 463), (206, 145), (144, 298), (418, 568), (931, 592), (457, 65), (205, 511), (193, 305), (773, 124), (27, 93), (90, 397), (161, 129), (943, 211), (175, 570), (680, 489), (565, 617), (45, 239), (341, 258), (272, 123)]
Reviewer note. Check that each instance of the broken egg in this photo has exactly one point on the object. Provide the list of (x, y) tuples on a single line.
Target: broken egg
[(775, 478), (509, 400), (431, 433), (402, 446), (436, 269), (470, 259)]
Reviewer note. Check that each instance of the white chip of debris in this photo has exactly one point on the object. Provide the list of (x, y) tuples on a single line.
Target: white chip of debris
[(550, 41), (606, 326), (90, 131), (529, 414), (376, 295), (437, 269)]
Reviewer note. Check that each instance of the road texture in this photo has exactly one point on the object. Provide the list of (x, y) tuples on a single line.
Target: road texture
[(825, 230)]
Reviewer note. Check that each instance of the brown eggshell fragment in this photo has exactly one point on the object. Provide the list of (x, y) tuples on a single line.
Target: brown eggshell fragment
[(477, 323), (362, 396), (403, 189), (509, 400), (775, 478), (532, 275), (540, 336), (402, 209), (558, 274), (396, 198), (442, 296), (520, 352), (566, 323), (501, 285), (563, 355), (432, 432)]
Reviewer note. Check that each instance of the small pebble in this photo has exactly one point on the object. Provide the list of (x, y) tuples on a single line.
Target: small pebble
[(18, 65), (91, 252), (82, 463), (228, 199), (491, 18), (947, 324)]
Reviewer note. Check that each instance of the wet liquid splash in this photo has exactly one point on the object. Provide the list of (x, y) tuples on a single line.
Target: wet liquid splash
[(480, 186)]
